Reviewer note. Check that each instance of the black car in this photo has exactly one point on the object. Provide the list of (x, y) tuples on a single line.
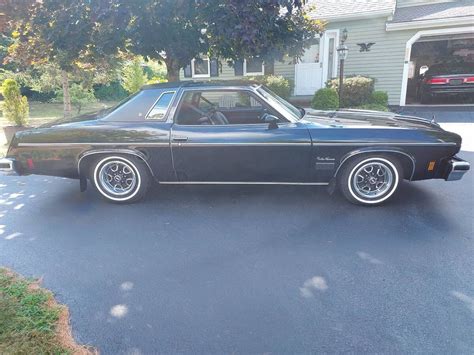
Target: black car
[(226, 133), (446, 79)]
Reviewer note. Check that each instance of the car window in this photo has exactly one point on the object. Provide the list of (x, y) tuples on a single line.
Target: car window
[(134, 108), (161, 107), (213, 107), (227, 100)]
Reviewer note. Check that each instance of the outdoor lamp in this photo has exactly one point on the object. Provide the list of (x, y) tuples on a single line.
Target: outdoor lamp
[(342, 51)]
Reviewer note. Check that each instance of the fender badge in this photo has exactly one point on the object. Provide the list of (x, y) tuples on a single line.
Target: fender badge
[(325, 159)]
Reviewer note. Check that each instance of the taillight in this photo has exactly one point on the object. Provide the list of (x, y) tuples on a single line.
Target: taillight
[(469, 79), (437, 81)]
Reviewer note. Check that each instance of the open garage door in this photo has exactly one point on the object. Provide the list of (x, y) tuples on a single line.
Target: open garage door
[(441, 70)]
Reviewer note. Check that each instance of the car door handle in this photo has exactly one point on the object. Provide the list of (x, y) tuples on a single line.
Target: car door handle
[(180, 139)]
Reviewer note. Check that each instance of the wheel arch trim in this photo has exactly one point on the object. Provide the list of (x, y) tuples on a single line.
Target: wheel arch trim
[(351, 154), (136, 153)]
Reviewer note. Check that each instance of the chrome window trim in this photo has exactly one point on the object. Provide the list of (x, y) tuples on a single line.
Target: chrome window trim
[(227, 88), (167, 109), (378, 151)]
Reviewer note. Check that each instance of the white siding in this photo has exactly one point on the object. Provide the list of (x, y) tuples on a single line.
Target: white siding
[(384, 62)]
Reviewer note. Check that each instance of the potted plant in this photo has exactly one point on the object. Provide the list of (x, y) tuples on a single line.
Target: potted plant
[(15, 108)]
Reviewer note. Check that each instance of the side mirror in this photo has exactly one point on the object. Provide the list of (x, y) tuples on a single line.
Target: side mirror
[(272, 121)]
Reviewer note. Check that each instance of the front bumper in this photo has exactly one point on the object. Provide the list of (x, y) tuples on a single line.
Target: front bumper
[(456, 168), (8, 166)]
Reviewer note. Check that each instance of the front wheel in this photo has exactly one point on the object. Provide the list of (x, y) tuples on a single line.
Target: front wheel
[(370, 180), (121, 179)]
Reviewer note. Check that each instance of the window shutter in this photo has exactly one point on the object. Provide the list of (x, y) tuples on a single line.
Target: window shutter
[(214, 67), (187, 71), (238, 67), (269, 68)]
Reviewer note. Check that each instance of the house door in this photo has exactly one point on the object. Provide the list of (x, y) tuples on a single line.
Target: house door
[(318, 64), (309, 71)]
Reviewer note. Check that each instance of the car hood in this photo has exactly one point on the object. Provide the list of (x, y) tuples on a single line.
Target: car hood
[(367, 119)]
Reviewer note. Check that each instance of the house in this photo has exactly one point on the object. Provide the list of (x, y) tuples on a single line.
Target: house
[(388, 40)]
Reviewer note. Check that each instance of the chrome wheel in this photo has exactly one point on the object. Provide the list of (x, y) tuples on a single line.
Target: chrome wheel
[(117, 177), (372, 180)]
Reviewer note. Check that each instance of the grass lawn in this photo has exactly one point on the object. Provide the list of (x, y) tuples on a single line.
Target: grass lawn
[(41, 112), (31, 322)]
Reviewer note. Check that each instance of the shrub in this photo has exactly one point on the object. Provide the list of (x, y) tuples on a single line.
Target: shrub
[(79, 96), (379, 98), (276, 83), (15, 106), (325, 99), (373, 107), (112, 91), (133, 76), (279, 85), (357, 90)]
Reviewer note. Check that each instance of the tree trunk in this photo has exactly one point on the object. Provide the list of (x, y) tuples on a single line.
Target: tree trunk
[(66, 96), (172, 70)]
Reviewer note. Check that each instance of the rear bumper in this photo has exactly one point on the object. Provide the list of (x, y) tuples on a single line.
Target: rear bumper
[(8, 166), (456, 168)]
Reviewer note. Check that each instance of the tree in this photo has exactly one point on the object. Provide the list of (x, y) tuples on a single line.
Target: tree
[(166, 30), (176, 31), (79, 96), (15, 107), (269, 29), (67, 34), (133, 76)]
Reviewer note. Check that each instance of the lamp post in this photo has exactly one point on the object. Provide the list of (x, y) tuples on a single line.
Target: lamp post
[(342, 52)]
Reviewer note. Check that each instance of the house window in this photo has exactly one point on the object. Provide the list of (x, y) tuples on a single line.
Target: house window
[(201, 68), (254, 66)]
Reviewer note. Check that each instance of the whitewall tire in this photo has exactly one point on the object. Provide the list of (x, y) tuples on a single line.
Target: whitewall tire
[(120, 179), (370, 180)]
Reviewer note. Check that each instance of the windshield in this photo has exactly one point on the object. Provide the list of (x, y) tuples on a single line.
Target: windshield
[(279, 103)]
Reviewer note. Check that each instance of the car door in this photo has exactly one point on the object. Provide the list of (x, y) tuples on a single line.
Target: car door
[(246, 149)]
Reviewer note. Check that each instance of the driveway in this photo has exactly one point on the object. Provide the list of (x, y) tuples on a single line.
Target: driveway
[(251, 269)]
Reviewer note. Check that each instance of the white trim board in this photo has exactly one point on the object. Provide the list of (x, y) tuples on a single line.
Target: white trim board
[(455, 21)]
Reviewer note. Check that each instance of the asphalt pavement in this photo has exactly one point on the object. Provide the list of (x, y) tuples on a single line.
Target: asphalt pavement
[(253, 269)]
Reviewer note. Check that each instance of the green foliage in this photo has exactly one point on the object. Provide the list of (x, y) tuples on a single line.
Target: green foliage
[(112, 91), (27, 322), (357, 90), (373, 107), (379, 98), (258, 28), (279, 85), (276, 83), (325, 99), (133, 76), (79, 96), (15, 106)]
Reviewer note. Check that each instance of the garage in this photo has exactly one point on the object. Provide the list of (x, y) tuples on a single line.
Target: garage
[(441, 70)]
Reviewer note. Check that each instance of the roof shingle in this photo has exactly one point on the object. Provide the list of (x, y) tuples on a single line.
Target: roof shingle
[(330, 9), (463, 8)]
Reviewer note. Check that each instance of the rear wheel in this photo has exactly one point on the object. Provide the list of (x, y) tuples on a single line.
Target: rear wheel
[(370, 180), (120, 179)]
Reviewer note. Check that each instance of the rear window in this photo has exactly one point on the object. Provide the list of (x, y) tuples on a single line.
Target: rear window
[(449, 69), (134, 108)]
